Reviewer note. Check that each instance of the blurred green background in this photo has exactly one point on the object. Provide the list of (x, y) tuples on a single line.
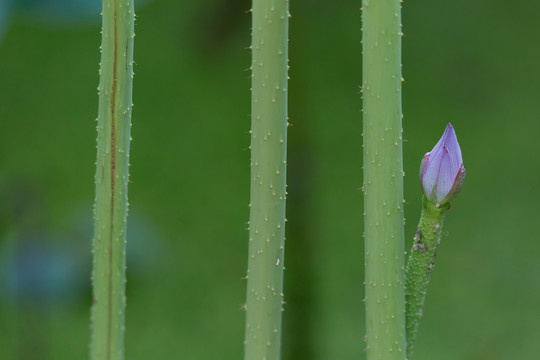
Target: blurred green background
[(474, 64)]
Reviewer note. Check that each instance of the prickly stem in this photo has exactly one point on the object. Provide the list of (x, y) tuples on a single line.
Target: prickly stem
[(383, 180), (111, 202), (268, 178), (420, 265)]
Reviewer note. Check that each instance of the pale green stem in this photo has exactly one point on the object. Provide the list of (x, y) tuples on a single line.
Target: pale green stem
[(383, 180), (268, 176), (111, 206), (421, 263)]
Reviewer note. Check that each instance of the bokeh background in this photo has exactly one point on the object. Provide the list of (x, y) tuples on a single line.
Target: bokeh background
[(474, 64)]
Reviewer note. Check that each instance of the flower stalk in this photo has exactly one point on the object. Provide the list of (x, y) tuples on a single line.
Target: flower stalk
[(268, 179), (111, 203), (383, 180), (420, 265)]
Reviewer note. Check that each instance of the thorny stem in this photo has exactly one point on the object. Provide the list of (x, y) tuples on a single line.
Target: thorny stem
[(111, 204), (383, 180), (268, 178)]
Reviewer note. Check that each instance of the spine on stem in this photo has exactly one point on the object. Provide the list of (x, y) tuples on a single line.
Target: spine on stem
[(111, 203), (383, 180), (268, 179)]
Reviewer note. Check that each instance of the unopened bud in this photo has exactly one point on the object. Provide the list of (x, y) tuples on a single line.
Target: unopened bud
[(442, 171)]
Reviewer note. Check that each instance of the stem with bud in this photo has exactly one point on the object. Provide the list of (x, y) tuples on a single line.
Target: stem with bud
[(441, 175)]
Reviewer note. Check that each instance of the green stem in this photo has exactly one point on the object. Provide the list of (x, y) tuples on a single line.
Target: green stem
[(110, 211), (383, 180), (268, 175), (420, 264)]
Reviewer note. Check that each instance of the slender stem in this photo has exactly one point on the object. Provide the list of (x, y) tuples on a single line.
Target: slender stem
[(110, 211), (420, 264), (383, 180), (268, 176)]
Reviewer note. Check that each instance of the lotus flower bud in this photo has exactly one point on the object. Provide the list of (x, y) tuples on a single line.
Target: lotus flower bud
[(442, 171)]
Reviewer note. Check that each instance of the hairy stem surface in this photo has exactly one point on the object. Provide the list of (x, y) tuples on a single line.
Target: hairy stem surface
[(420, 264), (383, 180), (268, 176), (111, 205)]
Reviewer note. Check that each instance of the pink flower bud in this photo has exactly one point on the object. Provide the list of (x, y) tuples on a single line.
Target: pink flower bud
[(442, 171)]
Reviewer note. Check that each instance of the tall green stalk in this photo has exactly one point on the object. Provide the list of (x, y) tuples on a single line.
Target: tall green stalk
[(268, 178), (111, 206), (383, 180)]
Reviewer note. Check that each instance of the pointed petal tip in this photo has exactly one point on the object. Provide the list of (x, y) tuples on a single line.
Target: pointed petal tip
[(449, 138)]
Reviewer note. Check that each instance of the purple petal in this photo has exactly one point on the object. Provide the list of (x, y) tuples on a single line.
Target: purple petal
[(450, 141), (458, 182), (446, 175), (431, 173), (425, 159)]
